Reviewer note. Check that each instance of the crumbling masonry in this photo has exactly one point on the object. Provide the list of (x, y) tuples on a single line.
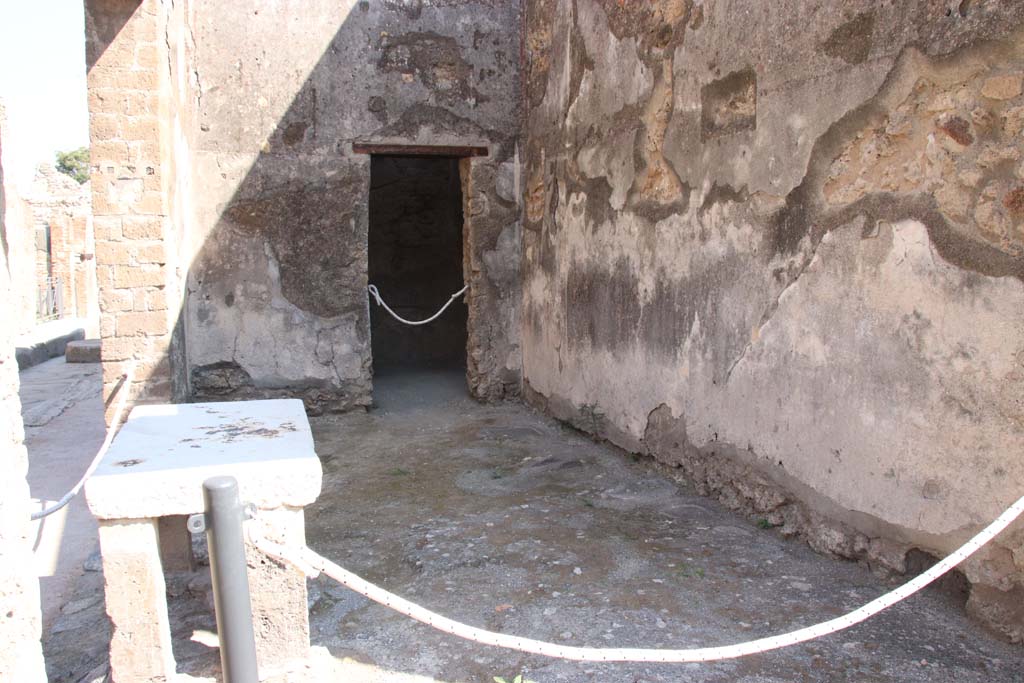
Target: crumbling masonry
[(776, 246)]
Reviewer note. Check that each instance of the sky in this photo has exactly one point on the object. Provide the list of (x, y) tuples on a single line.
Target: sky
[(42, 82)]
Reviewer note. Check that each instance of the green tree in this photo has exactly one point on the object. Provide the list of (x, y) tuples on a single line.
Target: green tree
[(74, 163)]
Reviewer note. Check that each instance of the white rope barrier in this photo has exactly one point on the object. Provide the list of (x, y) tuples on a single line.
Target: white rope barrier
[(375, 293), (312, 563), (122, 401)]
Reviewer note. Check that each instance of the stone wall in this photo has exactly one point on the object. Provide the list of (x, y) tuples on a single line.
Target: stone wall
[(277, 300), (780, 246), (21, 655)]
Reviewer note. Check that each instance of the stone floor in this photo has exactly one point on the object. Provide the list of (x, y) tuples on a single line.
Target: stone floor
[(505, 519), (63, 414)]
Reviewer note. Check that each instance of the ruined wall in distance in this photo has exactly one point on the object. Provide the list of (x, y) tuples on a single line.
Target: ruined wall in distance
[(64, 208), (277, 300), (781, 247)]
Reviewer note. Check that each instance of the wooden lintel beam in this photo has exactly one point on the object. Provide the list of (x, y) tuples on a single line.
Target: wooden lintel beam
[(418, 150)]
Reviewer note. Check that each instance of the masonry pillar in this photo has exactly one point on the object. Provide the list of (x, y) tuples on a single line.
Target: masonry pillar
[(132, 177)]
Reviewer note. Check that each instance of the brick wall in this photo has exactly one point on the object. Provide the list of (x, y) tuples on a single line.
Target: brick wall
[(132, 189)]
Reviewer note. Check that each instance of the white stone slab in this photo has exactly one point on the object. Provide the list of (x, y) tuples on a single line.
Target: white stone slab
[(163, 453)]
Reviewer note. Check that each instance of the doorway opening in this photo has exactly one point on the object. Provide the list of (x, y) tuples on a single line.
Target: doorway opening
[(416, 263)]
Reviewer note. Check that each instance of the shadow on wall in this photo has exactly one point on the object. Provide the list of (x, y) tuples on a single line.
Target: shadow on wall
[(226, 145), (133, 296), (276, 300)]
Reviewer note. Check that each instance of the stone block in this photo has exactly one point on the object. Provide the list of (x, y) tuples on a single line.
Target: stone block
[(151, 202), (113, 253), (107, 101), (119, 348), (151, 299), (151, 253), (102, 153), (143, 103), (142, 128), (143, 227), (83, 351), (149, 323), (140, 646), (107, 228), (172, 449), (115, 300), (138, 276), (104, 127), (145, 153), (107, 324)]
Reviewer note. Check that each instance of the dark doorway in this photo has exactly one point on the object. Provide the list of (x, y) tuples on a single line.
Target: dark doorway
[(415, 261)]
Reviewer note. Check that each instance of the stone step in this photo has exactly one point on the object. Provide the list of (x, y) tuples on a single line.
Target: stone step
[(83, 351)]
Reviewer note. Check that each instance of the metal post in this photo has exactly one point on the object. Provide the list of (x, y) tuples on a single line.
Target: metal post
[(224, 515)]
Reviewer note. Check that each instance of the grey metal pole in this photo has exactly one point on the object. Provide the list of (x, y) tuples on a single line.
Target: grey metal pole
[(224, 516)]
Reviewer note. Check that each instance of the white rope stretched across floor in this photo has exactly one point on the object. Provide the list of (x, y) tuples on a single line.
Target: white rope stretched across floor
[(122, 401), (312, 563), (375, 293)]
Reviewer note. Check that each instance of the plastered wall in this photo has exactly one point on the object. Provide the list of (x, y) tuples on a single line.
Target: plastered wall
[(277, 228), (780, 246)]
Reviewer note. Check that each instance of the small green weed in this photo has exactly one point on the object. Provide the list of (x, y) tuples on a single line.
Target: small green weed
[(685, 571), (398, 472), (518, 679), (764, 524)]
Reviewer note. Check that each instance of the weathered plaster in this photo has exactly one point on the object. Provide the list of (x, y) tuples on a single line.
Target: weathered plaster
[(799, 277), (277, 287)]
